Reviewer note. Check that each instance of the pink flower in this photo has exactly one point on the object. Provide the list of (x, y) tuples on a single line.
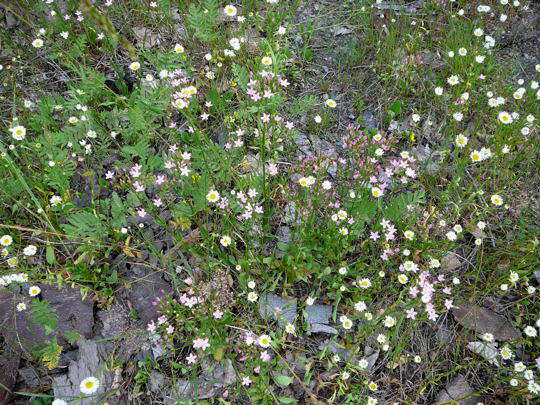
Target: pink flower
[(272, 169), (139, 188), (201, 343), (170, 329), (135, 171), (411, 313), (246, 381), (217, 314), (191, 359), (265, 356), (265, 118)]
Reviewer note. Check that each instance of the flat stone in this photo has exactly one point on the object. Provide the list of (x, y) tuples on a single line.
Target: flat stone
[(215, 378), (283, 235), (444, 335), (347, 355), (23, 334), (427, 158), (127, 336), (145, 284), (91, 362), (115, 320), (290, 213), (457, 389), (30, 376), (485, 349), (371, 356), (318, 319), (369, 119), (9, 363), (303, 143), (281, 309), (483, 320), (450, 262), (157, 381), (145, 37)]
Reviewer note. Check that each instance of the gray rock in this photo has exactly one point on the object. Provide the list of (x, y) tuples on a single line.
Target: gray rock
[(406, 8), (485, 349), (11, 20), (115, 320), (483, 320), (456, 390), (145, 37), (371, 355), (303, 143), (157, 381), (9, 362), (347, 355), (91, 361), (450, 262), (429, 159), (284, 237), (216, 377), (343, 31), (290, 213), (370, 121), (322, 147), (30, 377), (23, 334), (281, 309), (254, 164), (144, 285), (127, 336), (318, 319), (444, 335)]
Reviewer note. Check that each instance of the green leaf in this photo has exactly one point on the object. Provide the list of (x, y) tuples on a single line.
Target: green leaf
[(283, 380), (43, 314), (396, 107), (49, 254), (285, 400), (72, 336), (85, 225), (202, 19), (117, 211), (241, 75)]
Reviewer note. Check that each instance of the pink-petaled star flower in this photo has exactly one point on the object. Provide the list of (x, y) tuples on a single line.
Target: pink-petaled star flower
[(411, 313), (201, 343), (191, 359), (246, 381), (265, 356)]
